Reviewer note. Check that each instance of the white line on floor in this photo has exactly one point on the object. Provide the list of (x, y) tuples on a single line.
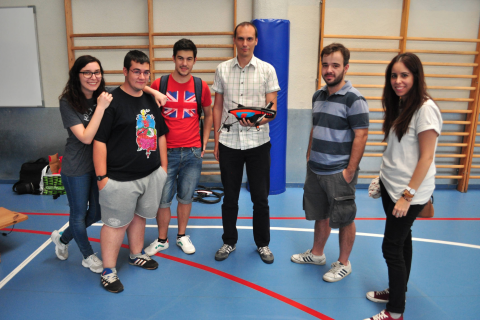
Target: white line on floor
[(27, 261), (375, 235)]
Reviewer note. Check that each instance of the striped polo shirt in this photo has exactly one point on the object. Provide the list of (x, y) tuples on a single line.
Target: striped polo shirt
[(334, 119)]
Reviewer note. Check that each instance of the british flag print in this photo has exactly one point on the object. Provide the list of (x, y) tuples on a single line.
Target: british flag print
[(190, 97), (173, 111)]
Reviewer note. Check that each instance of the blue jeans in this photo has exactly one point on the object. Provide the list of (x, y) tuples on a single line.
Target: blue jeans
[(183, 174), (82, 194)]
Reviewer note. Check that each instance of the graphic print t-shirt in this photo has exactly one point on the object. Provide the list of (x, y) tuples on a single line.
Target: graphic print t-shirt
[(180, 112), (130, 128)]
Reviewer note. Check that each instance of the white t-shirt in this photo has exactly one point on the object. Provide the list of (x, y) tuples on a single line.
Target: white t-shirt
[(400, 158)]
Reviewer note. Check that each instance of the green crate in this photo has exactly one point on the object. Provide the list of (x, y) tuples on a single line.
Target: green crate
[(52, 185)]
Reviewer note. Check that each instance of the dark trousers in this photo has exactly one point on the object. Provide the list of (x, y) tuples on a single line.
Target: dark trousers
[(397, 250), (257, 161)]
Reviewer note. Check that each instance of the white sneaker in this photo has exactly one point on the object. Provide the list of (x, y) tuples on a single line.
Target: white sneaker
[(155, 247), (60, 249), (337, 272), (309, 257), (94, 263), (186, 244)]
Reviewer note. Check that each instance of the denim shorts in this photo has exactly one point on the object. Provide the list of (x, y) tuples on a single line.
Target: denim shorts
[(330, 196), (120, 200), (184, 169)]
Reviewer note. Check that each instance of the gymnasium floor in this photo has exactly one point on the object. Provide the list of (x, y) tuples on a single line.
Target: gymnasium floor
[(444, 282)]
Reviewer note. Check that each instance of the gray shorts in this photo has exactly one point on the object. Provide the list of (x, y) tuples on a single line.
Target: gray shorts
[(330, 196), (120, 200)]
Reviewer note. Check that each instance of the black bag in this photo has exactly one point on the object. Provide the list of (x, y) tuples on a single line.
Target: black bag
[(30, 175)]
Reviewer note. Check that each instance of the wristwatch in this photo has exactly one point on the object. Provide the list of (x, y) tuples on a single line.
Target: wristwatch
[(100, 178), (411, 190)]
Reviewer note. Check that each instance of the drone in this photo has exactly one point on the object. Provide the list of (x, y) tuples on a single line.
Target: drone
[(252, 114)]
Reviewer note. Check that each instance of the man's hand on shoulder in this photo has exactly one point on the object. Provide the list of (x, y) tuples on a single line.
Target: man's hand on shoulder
[(160, 98)]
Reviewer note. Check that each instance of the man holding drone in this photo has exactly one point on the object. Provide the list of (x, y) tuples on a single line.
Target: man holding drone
[(248, 81)]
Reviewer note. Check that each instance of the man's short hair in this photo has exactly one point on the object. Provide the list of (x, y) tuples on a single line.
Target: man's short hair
[(137, 56), (185, 44), (334, 47), (245, 24)]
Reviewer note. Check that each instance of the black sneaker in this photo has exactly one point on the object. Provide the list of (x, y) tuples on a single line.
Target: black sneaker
[(224, 251), (110, 281), (265, 254), (144, 261)]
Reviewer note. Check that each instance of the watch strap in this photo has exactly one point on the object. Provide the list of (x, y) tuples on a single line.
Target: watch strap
[(407, 194)]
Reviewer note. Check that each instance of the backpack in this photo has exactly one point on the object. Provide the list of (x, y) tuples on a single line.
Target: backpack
[(30, 176), (198, 96)]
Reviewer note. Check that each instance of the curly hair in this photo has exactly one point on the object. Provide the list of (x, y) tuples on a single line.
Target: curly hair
[(73, 89), (409, 104)]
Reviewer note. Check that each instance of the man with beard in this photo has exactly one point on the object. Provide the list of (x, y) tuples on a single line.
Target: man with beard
[(337, 141)]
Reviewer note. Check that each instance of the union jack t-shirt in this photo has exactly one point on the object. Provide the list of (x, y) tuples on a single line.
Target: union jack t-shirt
[(180, 112)]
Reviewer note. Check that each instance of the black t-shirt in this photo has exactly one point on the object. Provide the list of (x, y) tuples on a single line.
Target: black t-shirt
[(130, 128)]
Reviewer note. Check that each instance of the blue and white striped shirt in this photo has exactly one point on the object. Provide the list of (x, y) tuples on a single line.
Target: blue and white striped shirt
[(334, 119)]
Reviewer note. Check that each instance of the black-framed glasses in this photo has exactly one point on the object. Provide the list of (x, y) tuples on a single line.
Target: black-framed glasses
[(89, 74), (138, 73)]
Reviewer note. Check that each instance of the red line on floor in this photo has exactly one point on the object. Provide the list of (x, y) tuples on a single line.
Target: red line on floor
[(45, 214), (221, 274), (27, 231), (248, 284), (431, 219), (271, 218)]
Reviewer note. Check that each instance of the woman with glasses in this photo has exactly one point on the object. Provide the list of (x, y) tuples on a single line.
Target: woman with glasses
[(412, 124), (82, 105)]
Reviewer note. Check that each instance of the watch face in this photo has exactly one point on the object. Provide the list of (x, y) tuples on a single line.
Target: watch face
[(412, 191)]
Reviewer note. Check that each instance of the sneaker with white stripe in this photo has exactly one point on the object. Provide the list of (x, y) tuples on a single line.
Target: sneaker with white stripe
[(144, 261), (224, 252), (337, 272), (309, 257), (110, 281)]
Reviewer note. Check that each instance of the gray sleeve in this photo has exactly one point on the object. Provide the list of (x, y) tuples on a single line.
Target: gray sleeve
[(70, 117)]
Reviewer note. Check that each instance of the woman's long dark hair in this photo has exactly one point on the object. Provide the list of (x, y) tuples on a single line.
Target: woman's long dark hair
[(410, 103), (73, 89)]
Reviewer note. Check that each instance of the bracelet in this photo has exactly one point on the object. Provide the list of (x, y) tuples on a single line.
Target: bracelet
[(407, 199)]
